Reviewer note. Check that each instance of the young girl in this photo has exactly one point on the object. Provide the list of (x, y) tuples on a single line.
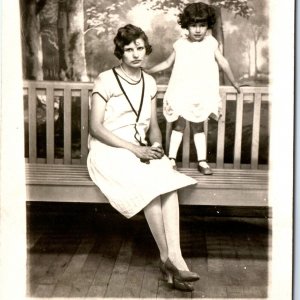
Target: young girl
[(193, 89)]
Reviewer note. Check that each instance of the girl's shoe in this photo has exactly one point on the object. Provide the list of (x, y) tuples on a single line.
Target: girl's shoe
[(173, 162), (204, 168), (175, 282), (180, 275)]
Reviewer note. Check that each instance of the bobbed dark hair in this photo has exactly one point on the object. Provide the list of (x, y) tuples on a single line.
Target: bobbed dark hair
[(128, 34), (197, 13)]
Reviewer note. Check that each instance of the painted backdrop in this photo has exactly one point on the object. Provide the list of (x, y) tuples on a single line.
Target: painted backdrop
[(72, 40)]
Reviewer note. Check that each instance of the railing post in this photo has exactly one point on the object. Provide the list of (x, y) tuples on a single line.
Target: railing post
[(186, 146), (221, 132), (255, 131), (50, 125), (84, 124), (32, 123), (238, 132), (67, 126)]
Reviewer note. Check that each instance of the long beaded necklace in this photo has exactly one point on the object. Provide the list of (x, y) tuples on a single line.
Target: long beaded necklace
[(127, 75)]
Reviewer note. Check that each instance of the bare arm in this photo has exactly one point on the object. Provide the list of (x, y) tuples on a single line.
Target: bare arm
[(98, 131), (224, 65), (163, 65), (154, 130)]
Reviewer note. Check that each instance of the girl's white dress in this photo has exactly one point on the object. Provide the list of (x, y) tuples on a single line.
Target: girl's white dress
[(128, 183), (193, 89)]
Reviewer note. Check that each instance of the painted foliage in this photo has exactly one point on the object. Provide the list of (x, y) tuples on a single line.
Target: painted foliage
[(72, 40)]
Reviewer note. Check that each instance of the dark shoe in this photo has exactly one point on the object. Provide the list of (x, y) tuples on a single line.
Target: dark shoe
[(180, 275), (173, 162), (174, 282), (205, 170), (182, 285), (166, 275)]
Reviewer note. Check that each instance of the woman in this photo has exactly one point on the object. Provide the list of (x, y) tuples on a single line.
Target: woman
[(126, 160)]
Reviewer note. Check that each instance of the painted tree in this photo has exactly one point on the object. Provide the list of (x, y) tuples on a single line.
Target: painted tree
[(32, 41), (102, 19), (258, 31), (238, 7), (70, 31)]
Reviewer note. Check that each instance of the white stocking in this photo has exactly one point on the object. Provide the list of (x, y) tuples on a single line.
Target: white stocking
[(175, 141), (200, 143)]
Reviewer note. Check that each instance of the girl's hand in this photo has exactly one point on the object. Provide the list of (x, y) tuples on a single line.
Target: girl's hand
[(148, 153), (237, 87)]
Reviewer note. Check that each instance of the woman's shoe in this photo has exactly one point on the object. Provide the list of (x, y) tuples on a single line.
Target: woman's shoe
[(180, 275), (167, 276), (173, 281), (182, 285)]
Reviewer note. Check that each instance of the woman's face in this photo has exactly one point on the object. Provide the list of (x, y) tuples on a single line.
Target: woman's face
[(197, 31), (134, 53)]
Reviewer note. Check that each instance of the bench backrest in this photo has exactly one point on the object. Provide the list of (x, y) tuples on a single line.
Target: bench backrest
[(61, 108)]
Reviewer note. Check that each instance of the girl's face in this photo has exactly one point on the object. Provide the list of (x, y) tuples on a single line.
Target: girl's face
[(134, 53), (197, 31)]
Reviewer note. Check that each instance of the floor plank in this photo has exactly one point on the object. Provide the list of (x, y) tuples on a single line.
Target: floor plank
[(98, 253)]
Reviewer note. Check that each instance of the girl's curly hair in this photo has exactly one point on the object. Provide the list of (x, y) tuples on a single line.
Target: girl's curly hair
[(197, 13), (128, 34)]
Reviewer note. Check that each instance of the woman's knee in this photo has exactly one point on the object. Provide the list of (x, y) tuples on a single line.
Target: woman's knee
[(179, 125)]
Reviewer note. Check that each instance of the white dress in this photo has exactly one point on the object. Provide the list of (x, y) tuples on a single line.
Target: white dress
[(193, 89), (128, 183)]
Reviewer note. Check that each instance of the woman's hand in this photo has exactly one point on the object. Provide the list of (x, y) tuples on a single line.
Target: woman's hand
[(148, 153)]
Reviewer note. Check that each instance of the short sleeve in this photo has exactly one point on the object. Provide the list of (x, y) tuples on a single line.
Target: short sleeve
[(214, 43), (152, 87), (176, 45), (102, 87)]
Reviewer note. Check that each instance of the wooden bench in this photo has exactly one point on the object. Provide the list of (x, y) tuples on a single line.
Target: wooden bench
[(64, 177)]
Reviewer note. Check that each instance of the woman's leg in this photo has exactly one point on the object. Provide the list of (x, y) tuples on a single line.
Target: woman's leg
[(154, 217), (170, 212)]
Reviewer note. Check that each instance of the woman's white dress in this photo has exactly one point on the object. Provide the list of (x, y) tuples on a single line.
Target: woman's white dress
[(128, 183), (193, 89)]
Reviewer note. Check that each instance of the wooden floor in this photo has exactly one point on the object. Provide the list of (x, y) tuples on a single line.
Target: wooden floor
[(78, 250)]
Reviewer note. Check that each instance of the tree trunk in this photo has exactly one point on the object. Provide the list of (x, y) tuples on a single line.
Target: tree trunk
[(62, 40), (255, 58), (218, 33), (72, 62), (33, 42)]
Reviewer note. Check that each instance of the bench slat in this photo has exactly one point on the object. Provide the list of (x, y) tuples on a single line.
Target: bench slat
[(239, 185)]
